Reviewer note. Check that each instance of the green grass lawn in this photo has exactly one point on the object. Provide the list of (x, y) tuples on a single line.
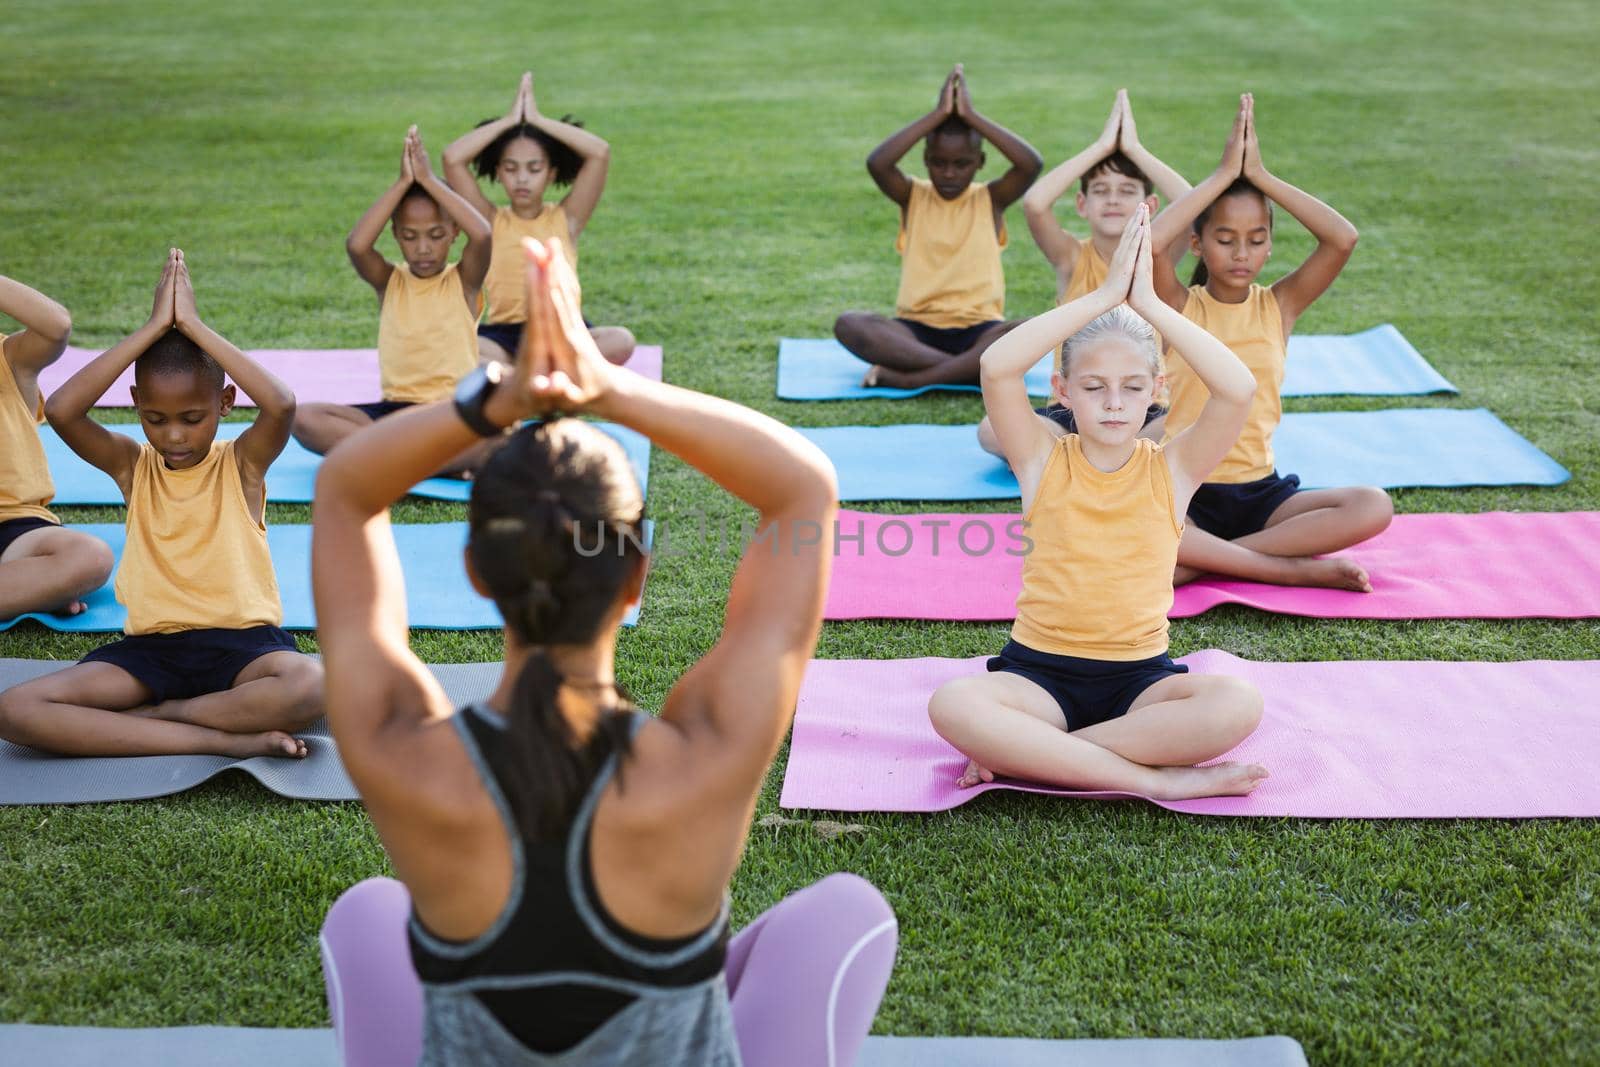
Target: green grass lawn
[(1459, 137)]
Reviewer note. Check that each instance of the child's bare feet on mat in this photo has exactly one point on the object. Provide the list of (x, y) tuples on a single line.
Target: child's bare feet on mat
[(1335, 572), (870, 379), (973, 775), (1216, 780), (269, 743)]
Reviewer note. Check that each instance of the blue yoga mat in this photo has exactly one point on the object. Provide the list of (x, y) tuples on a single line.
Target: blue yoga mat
[(291, 479), (438, 595), (814, 368), (1403, 447), (1375, 362)]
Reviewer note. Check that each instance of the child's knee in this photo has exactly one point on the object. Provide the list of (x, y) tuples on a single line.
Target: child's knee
[(1239, 707), (950, 708), (1375, 507), (849, 328), (14, 703), (92, 562), (303, 692)]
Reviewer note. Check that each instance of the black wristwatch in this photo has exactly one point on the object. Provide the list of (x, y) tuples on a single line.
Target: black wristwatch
[(473, 393)]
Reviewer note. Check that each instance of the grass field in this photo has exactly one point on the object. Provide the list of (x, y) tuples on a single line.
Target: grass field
[(1459, 137)]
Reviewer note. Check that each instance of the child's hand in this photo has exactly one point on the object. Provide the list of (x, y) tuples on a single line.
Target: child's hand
[(963, 102), (1119, 275), (1142, 291), (947, 93), (1233, 152), (518, 112), (421, 169), (407, 175), (1130, 132), (558, 367), (161, 311), (183, 309), (1252, 148), (1108, 140), (530, 110)]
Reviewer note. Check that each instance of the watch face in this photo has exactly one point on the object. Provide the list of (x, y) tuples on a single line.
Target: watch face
[(494, 371)]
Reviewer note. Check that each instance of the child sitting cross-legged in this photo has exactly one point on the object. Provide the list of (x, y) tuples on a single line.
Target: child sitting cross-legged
[(204, 667), (1084, 695)]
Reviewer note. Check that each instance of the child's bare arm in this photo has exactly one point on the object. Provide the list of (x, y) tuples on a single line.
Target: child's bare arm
[(1336, 237), (264, 439), (45, 327), (595, 152), (474, 257), (68, 407), (884, 162), (1173, 224), (1196, 451), (1026, 163), (362, 244), (1038, 206), (460, 153), (1168, 182)]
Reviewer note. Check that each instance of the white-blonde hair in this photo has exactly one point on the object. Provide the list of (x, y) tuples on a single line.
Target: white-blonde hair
[(1120, 322)]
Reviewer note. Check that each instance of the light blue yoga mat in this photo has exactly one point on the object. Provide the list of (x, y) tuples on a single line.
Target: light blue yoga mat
[(1403, 447), (205, 1046), (815, 368), (290, 480), (438, 595), (1375, 362)]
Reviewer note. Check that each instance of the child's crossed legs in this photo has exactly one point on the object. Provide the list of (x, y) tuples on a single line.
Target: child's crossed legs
[(1006, 724), (100, 709)]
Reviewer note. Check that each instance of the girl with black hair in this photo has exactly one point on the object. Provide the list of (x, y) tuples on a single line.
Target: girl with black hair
[(1245, 503), (527, 153), (567, 857)]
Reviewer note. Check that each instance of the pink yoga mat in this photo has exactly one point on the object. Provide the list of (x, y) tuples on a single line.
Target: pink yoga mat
[(1497, 565), (327, 375), (1364, 740)]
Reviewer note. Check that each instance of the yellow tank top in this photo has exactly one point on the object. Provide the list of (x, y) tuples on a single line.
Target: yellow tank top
[(25, 485), (1253, 329), (505, 289), (1098, 581), (194, 557), (950, 274), (427, 336)]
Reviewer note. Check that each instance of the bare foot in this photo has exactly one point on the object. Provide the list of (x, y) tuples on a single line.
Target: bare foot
[(973, 775), (1334, 572), (870, 379), (268, 743), (1217, 780), (71, 607)]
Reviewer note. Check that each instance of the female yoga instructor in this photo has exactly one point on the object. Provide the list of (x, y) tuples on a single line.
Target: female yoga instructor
[(568, 857)]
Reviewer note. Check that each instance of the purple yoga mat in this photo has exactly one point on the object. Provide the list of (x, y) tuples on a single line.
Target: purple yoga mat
[(1497, 565), (1363, 740), (328, 375)]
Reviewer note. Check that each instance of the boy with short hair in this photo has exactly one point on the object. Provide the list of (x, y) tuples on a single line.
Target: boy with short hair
[(428, 306), (204, 667), (951, 304), (1115, 174), (42, 566)]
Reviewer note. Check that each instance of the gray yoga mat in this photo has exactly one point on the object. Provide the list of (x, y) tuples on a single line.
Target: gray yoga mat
[(204, 1046), (29, 777)]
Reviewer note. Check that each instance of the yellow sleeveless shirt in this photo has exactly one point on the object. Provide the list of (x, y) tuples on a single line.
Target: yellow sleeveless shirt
[(25, 485), (505, 290), (1253, 329), (1097, 583), (950, 273), (427, 336), (194, 557)]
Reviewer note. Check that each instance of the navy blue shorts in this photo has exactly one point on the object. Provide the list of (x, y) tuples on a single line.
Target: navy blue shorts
[(1062, 417), (953, 340), (1088, 691), (508, 335), (12, 529), (191, 663), (379, 408), (1231, 511)]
